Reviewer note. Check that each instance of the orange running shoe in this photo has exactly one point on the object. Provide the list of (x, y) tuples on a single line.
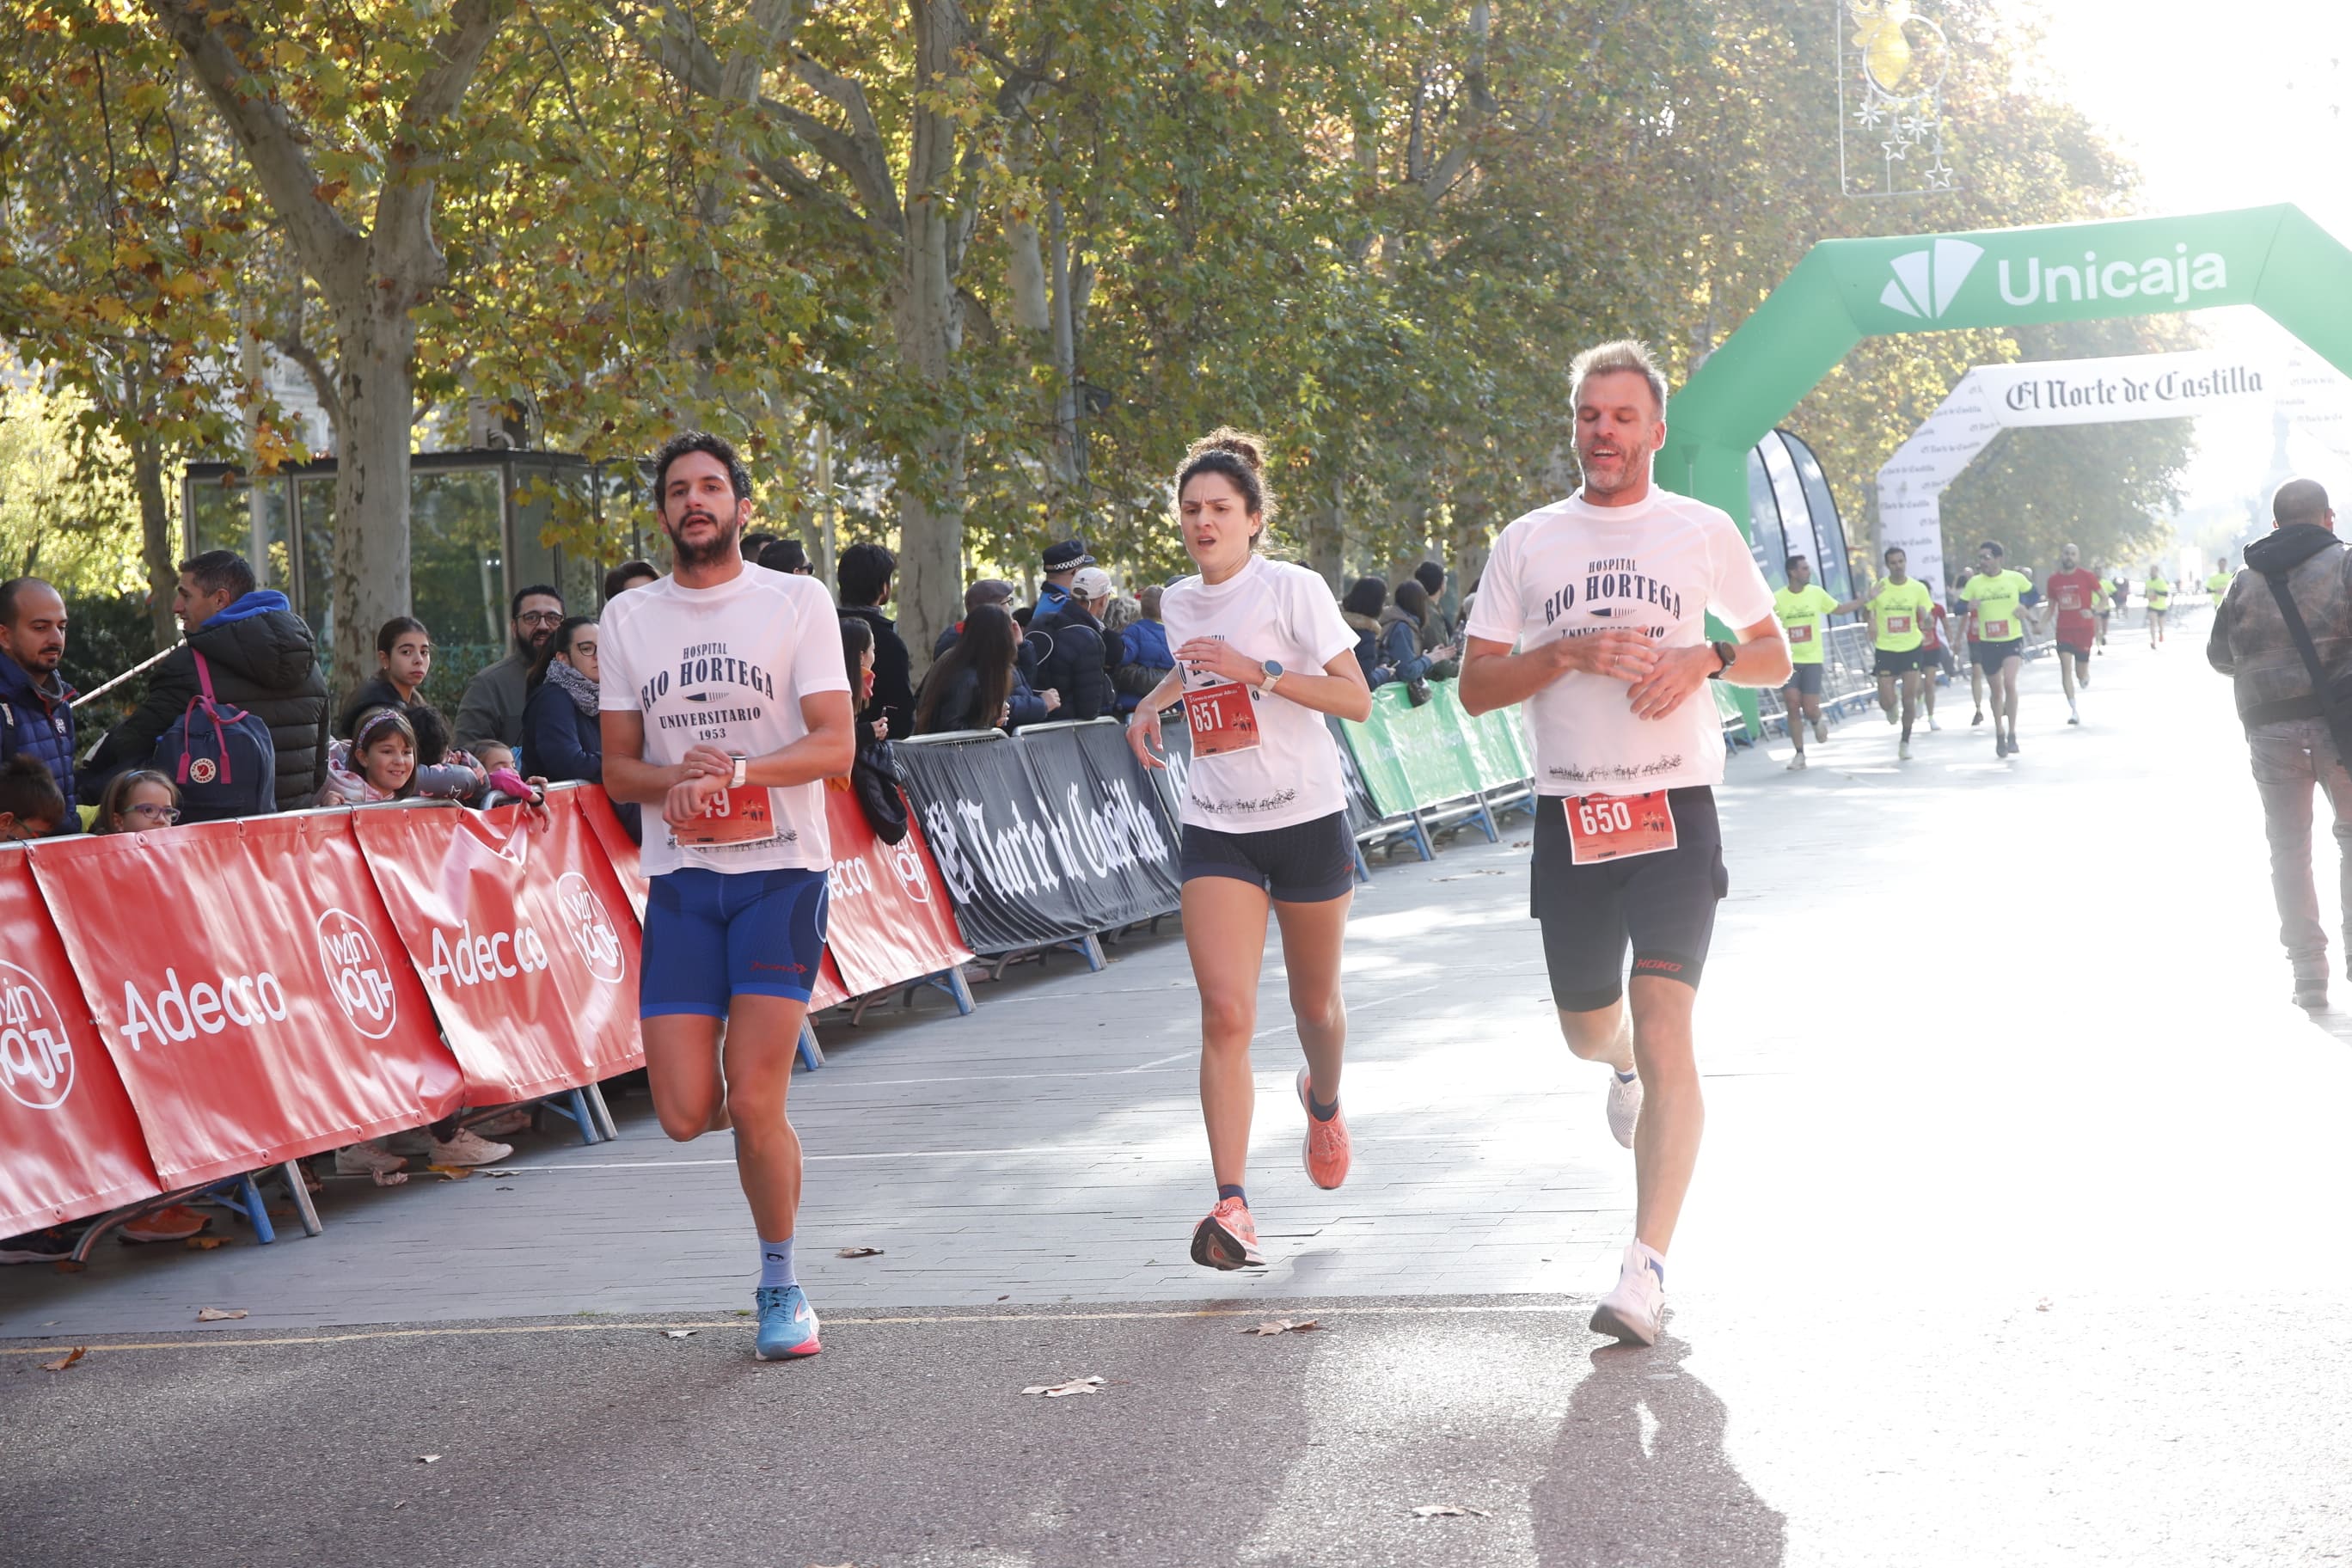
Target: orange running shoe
[(1227, 1238), (1327, 1142)]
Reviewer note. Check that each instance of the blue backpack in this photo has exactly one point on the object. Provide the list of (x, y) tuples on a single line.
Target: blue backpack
[(223, 758)]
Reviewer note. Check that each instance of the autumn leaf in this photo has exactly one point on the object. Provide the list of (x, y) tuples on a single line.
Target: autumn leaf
[(205, 1243), (859, 1252), (218, 1314), (66, 1359), (1283, 1326), (1064, 1389)]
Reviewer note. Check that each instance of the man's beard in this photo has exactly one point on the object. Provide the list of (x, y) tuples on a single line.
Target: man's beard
[(721, 544)]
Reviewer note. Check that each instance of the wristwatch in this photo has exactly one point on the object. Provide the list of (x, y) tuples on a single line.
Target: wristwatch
[(1273, 676), (1725, 652), (742, 770)]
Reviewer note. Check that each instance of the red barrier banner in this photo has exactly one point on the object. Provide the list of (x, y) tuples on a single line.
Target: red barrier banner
[(71, 1143), (887, 919), (829, 991), (249, 987), (620, 849), (519, 926)]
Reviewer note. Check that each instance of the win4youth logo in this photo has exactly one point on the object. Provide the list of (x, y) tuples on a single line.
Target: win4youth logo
[(1926, 281)]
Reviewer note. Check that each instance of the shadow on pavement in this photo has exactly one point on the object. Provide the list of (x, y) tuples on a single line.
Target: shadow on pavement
[(1639, 1474)]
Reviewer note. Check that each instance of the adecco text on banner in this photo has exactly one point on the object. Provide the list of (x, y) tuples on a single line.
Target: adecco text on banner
[(36, 1058), (205, 1007), (475, 958)]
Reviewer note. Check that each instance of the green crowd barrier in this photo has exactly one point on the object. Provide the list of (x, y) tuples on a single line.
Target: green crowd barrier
[(1414, 758)]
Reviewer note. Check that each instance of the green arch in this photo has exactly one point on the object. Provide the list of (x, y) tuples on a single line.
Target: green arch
[(1846, 290)]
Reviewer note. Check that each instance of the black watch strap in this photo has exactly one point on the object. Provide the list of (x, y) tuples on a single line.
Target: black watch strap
[(1725, 652)]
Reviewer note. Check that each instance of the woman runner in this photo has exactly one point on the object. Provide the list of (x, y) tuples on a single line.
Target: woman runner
[(1261, 655)]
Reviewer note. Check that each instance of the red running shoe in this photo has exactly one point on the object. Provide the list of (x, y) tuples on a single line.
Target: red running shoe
[(1327, 1142), (1227, 1238)]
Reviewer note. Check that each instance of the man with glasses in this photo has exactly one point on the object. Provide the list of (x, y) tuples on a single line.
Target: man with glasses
[(491, 709), (36, 704)]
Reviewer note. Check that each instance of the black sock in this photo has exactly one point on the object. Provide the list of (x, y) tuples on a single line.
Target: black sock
[(1318, 1109), (1231, 1190)]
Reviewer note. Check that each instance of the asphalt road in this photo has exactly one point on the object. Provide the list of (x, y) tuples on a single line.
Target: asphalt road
[(2018, 1239)]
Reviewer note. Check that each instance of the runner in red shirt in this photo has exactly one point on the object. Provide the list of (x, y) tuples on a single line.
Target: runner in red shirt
[(1937, 648), (2072, 594)]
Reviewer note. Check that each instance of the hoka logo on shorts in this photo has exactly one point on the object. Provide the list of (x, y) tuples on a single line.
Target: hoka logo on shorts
[(1926, 281), (36, 1060)]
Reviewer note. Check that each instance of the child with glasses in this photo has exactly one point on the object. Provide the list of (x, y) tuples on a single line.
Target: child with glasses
[(137, 801)]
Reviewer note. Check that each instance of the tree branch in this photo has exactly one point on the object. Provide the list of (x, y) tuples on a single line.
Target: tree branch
[(404, 207)]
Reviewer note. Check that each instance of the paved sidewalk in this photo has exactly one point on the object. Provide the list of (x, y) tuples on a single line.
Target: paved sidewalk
[(2017, 1240)]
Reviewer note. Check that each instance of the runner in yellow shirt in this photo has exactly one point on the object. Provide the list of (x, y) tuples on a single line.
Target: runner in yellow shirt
[(1998, 625), (1804, 608), (2159, 599), (1899, 610), (2106, 603), (2218, 584)]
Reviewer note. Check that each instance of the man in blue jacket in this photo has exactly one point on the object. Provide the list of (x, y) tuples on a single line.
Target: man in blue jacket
[(36, 704)]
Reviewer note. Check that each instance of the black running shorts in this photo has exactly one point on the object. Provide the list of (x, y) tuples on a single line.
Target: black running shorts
[(1661, 905), (2080, 654), (1990, 656), (1306, 863), (1891, 662), (1804, 679)]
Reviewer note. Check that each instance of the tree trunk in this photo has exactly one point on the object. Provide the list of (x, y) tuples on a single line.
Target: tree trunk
[(375, 378), (155, 540)]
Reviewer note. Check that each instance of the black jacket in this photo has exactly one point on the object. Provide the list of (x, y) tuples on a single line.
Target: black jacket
[(377, 693), (1070, 659), (560, 743), (893, 673), (263, 659)]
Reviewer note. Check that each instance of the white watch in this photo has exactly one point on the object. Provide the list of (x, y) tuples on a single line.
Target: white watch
[(1273, 676), (742, 770)]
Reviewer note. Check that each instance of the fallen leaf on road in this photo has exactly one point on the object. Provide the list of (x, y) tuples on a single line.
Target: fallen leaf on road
[(678, 1333), (1283, 1326), (2043, 1305), (1064, 1389), (68, 1265), (859, 1252), (1518, 843), (204, 1242), (1446, 1511), (451, 1172), (218, 1314), (428, 1459), (1005, 1298), (502, 1172), (66, 1359)]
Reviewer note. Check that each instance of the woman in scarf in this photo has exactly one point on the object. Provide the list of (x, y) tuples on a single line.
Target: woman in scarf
[(560, 740)]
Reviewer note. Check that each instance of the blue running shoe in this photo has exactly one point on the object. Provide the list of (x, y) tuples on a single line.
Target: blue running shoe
[(787, 1323)]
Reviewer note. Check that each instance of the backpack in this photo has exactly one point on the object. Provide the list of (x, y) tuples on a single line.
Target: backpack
[(223, 758)]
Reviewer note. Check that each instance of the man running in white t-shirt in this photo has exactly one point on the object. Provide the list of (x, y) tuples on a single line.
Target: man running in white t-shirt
[(725, 704), (1593, 611)]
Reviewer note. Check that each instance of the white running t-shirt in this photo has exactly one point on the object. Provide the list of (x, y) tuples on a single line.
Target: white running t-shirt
[(730, 666), (1572, 568), (1267, 610)]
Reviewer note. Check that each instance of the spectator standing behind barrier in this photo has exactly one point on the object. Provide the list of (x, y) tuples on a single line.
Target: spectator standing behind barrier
[(37, 717), (491, 709), (1366, 598), (628, 574), (561, 741), (978, 683), (1146, 660), (1062, 563), (987, 591), (1439, 643), (263, 659), (1402, 633), (787, 555), (874, 773), (1067, 648), (31, 806), (403, 657), (137, 801), (2288, 729), (865, 572)]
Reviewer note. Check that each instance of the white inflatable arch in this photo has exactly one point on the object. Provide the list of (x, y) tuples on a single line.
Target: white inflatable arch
[(2302, 388)]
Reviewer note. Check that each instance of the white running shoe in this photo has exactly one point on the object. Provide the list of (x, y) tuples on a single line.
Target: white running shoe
[(1624, 1107), (1903, 751), (470, 1148), (1931, 722), (1637, 1310), (1822, 730), (1797, 763), (372, 1159)]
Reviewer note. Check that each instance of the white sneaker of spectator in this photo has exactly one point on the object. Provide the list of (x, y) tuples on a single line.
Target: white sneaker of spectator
[(467, 1148), (371, 1159)]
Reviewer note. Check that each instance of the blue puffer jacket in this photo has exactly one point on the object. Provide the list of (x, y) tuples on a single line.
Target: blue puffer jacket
[(39, 722)]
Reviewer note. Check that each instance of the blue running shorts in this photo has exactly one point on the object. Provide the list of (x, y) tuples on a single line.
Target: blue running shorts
[(714, 935)]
